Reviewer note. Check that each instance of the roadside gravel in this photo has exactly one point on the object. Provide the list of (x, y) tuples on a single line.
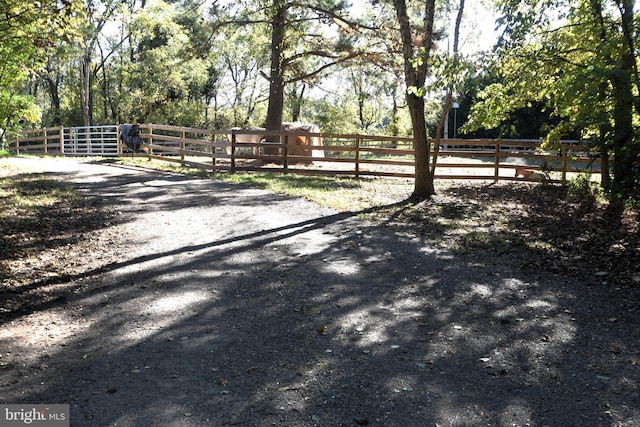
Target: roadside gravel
[(208, 304)]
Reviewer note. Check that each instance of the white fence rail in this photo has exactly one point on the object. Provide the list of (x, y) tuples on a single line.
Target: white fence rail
[(91, 141), (67, 141)]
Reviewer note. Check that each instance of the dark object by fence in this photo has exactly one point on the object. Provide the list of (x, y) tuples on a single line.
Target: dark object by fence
[(130, 136)]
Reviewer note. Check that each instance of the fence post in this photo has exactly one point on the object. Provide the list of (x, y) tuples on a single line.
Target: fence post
[(44, 140), (17, 143), (357, 157), (285, 153), (150, 141), (496, 172), (118, 144), (213, 152), (564, 164), (182, 136), (233, 151), (62, 141)]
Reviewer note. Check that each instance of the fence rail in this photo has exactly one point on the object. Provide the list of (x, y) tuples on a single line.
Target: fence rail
[(341, 155)]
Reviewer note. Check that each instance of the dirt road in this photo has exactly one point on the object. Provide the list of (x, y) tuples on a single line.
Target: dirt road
[(220, 305)]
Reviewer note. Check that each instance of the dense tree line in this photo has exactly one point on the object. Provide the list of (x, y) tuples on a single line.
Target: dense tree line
[(560, 69), (216, 64)]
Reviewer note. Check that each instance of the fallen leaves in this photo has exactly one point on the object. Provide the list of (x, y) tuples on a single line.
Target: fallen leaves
[(546, 228), (49, 233)]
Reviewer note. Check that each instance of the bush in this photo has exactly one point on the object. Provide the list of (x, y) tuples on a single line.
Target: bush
[(583, 189)]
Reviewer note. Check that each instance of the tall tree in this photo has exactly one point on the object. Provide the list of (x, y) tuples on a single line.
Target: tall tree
[(165, 78), (418, 35), (580, 61), (417, 44), (451, 78), (368, 84), (97, 16), (242, 52), (296, 37)]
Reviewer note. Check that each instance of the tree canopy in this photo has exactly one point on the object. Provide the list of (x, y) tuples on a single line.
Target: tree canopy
[(578, 60), (561, 68), (30, 31)]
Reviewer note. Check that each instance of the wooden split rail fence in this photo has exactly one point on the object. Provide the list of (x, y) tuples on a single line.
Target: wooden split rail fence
[(339, 155)]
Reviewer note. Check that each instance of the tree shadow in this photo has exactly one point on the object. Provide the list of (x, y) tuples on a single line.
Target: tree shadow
[(542, 227), (324, 320)]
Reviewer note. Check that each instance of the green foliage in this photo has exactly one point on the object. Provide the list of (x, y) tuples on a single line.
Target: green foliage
[(189, 63), (241, 54), (333, 116), (584, 189), (163, 72), (573, 60), (15, 108), (30, 30)]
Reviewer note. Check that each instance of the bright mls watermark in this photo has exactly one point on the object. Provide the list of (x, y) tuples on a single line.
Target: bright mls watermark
[(34, 415)]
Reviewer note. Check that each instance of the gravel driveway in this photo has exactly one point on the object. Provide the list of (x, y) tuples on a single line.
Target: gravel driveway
[(218, 304)]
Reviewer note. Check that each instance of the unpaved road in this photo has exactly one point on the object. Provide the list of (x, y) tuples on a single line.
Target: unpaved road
[(222, 305)]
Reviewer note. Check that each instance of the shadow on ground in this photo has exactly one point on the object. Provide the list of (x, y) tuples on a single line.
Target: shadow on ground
[(279, 313)]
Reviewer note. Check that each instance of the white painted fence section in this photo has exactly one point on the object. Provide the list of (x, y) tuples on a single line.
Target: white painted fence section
[(91, 141)]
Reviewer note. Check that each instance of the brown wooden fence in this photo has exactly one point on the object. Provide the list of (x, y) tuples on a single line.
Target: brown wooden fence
[(339, 155)]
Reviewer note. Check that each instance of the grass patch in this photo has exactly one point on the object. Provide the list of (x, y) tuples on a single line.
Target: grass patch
[(342, 194), (45, 229), (29, 193), (31, 208), (564, 230)]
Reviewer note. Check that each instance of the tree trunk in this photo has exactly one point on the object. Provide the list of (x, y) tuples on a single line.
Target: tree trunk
[(54, 92), (85, 85), (604, 166), (423, 184), (625, 151), (276, 76), (297, 101), (443, 123), (415, 77)]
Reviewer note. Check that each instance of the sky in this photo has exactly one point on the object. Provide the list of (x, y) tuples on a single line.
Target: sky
[(477, 29)]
